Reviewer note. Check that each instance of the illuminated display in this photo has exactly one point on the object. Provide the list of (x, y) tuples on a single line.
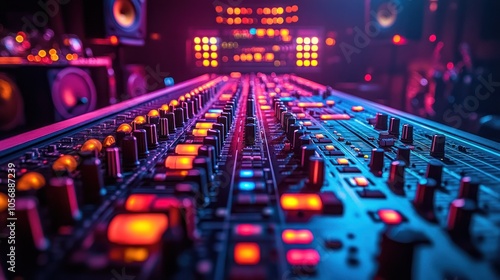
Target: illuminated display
[(205, 51), (257, 15)]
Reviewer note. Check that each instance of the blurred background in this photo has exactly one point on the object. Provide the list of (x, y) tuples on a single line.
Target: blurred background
[(437, 59)]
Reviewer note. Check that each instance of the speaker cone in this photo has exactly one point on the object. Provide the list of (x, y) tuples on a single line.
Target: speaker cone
[(387, 15), (73, 93), (124, 13), (11, 104)]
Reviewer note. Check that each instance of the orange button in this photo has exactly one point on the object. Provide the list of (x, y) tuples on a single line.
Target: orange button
[(139, 202), (211, 115), (179, 162), (310, 104), (137, 229), (335, 117), (329, 147), (200, 131), (320, 136), (302, 257), (301, 201), (389, 216), (205, 125), (307, 123), (343, 161), (187, 149), (294, 236), (357, 108), (361, 181), (246, 253)]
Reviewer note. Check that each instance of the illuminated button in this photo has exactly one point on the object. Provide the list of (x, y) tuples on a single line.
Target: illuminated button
[(65, 163), (292, 236), (265, 107), (179, 162), (246, 253), (389, 216), (200, 132), (330, 102), (108, 141), (215, 110), (245, 173), (137, 229), (139, 202), (91, 145), (125, 128), (173, 103), (361, 181), (212, 115), (140, 120), (320, 136), (329, 147), (225, 97), (248, 229), (153, 113), (342, 161), (298, 257), (204, 125), (30, 181), (164, 107), (301, 115), (357, 108), (187, 149), (246, 186), (335, 117), (3, 202), (301, 201), (310, 104), (307, 123)]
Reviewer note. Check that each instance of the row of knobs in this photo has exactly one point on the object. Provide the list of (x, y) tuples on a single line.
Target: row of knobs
[(381, 120)]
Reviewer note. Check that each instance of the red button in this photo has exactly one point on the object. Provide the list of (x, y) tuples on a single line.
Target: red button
[(390, 217)]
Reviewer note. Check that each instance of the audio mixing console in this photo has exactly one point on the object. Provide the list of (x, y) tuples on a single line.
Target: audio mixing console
[(250, 177)]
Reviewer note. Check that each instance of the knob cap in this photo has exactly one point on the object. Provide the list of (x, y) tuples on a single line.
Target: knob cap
[(130, 154), (212, 141), (291, 131), (220, 128), (209, 152), (407, 134), (381, 121), (114, 169), (61, 201), (394, 127), (151, 135), (179, 117), (377, 162), (460, 216), (404, 154), (435, 171), (29, 229), (163, 125), (308, 151), (469, 188), (225, 122), (142, 142), (92, 180), (250, 131), (316, 173), (250, 107), (424, 198), (397, 247), (171, 122), (397, 176), (303, 140), (204, 163), (296, 138), (437, 146)]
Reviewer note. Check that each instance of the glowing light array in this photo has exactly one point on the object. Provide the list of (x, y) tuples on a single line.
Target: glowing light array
[(205, 51), (307, 51), (265, 15)]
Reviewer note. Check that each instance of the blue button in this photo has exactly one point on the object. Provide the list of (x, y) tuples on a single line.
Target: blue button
[(246, 186), (215, 111), (245, 173), (252, 31)]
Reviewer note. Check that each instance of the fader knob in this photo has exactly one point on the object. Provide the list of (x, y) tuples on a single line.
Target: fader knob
[(92, 180), (179, 117), (130, 155), (142, 142), (250, 132), (377, 162), (209, 152), (250, 107), (397, 247), (435, 171), (316, 173), (114, 169), (308, 151), (407, 134), (151, 135), (437, 145), (212, 141), (29, 231), (404, 154), (396, 179), (381, 121), (424, 198), (163, 128), (61, 201), (394, 127), (469, 188), (460, 216)]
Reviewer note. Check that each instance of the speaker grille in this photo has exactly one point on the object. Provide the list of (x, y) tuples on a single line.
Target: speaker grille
[(11, 104)]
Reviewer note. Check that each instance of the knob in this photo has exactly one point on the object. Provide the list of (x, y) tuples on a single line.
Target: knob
[(250, 107), (217, 134), (407, 134), (163, 128), (61, 201), (397, 176), (225, 122), (469, 188), (291, 131), (308, 151), (114, 169), (397, 247), (209, 152), (212, 141), (424, 198), (435, 171), (404, 154), (29, 229), (296, 138), (229, 118), (437, 146), (92, 181), (316, 173), (281, 110), (179, 117), (250, 131), (142, 142), (290, 121), (204, 163), (284, 119), (460, 216), (185, 110), (151, 135), (130, 154), (377, 162), (303, 140), (220, 128), (381, 121), (171, 122), (394, 127)]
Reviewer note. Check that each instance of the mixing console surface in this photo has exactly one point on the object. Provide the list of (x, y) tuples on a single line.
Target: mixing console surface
[(250, 177)]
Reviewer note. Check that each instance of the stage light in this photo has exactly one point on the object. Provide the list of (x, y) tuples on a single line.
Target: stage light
[(214, 63), (330, 42), (300, 63), (229, 11), (206, 63), (299, 55), (205, 48), (307, 48), (219, 9), (307, 55), (213, 48), (197, 40), (307, 63), (314, 48), (314, 55), (299, 48), (213, 55), (307, 40), (368, 77), (299, 40), (314, 63), (432, 38)]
